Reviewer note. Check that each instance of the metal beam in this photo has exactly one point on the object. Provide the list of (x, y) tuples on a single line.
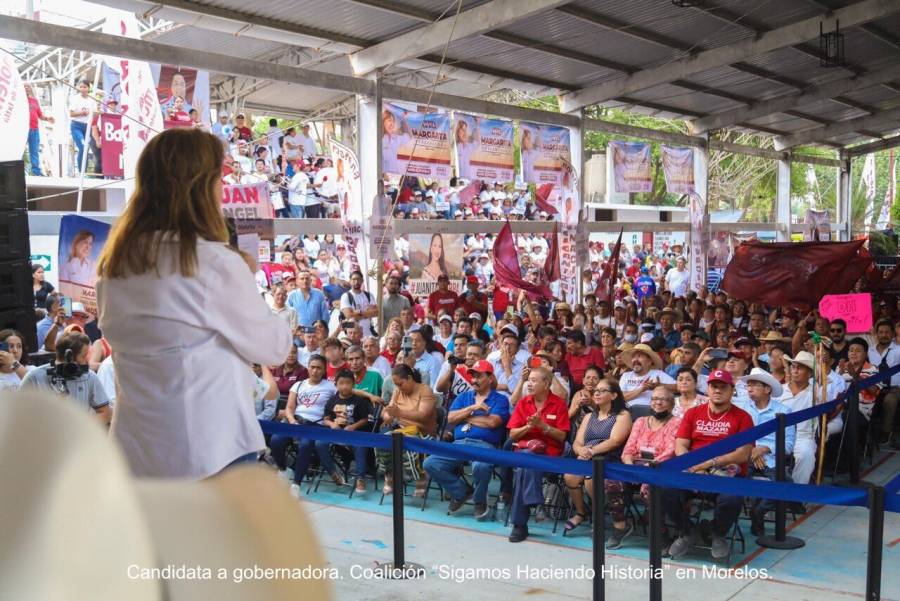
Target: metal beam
[(862, 149), (807, 29), (837, 129), (642, 132), (482, 18), (792, 101)]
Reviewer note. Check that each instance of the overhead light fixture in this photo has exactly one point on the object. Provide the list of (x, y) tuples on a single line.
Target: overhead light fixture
[(831, 46)]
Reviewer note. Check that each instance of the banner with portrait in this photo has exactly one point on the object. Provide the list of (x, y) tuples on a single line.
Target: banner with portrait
[(569, 198), (484, 148), (431, 255), (13, 110), (349, 188), (543, 149), (179, 91), (415, 144), (678, 168), (80, 242), (699, 242), (247, 201), (631, 166)]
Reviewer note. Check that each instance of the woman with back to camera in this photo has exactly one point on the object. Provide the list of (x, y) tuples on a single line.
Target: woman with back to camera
[(182, 312)]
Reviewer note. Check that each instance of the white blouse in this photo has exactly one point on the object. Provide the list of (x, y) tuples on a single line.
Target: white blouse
[(182, 347)]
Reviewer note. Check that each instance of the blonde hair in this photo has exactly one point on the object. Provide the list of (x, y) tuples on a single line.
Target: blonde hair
[(177, 191)]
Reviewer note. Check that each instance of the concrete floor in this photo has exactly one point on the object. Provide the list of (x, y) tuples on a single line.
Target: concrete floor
[(463, 557)]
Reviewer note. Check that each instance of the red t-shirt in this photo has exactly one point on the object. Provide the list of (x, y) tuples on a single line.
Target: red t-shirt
[(34, 113), (446, 301), (702, 427), (244, 133), (554, 412), (578, 364), (466, 304), (331, 372), (501, 301)]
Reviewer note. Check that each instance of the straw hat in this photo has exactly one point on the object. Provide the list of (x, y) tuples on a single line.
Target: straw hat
[(773, 336), (804, 358), (71, 504), (654, 356), (758, 374)]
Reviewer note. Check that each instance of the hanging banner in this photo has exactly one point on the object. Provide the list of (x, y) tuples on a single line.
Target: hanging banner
[(111, 144), (884, 218), (13, 110), (678, 168), (631, 166), (484, 148), (381, 229), (816, 226), (416, 144), (432, 255), (349, 189), (80, 242), (699, 242), (570, 198), (568, 265), (181, 90), (542, 149), (868, 180), (247, 201)]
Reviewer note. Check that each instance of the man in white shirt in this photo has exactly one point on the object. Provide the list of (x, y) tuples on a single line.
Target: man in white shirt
[(242, 156), (279, 308), (374, 359), (797, 396), (645, 375), (357, 304), (678, 278), (884, 354), (307, 144), (310, 346), (292, 143)]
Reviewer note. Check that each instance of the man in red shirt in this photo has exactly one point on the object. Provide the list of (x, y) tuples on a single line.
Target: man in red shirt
[(539, 424), (34, 135), (579, 357), (241, 131), (472, 300), (703, 425), (442, 299)]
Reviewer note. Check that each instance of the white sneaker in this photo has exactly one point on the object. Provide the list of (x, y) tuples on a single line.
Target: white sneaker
[(287, 474), (295, 490)]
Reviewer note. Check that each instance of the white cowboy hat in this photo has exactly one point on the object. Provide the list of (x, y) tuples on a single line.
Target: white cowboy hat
[(757, 374), (654, 356), (69, 503), (803, 358)]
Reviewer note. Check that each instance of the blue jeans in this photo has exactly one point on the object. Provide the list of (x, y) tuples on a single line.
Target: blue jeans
[(445, 472), (725, 514), (360, 455), (279, 445), (34, 150), (528, 490), (296, 211), (78, 131)]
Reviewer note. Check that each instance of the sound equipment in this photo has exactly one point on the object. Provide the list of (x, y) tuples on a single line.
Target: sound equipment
[(16, 291)]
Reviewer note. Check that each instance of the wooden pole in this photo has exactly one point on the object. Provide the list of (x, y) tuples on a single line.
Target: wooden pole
[(823, 419)]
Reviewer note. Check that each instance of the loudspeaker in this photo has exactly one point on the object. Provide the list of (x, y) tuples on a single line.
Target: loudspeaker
[(16, 291)]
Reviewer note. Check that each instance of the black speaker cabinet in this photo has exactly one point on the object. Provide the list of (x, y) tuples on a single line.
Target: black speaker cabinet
[(12, 185), (14, 242)]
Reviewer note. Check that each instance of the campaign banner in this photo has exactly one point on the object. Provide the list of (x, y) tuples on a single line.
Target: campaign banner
[(698, 241), (180, 90), (484, 148), (111, 144), (542, 150), (80, 242), (381, 229), (349, 189), (247, 201), (13, 110), (631, 166), (416, 144), (433, 255), (569, 200), (568, 265), (678, 168)]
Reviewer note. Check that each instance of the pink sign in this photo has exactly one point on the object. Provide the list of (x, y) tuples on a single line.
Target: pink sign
[(111, 144), (855, 309)]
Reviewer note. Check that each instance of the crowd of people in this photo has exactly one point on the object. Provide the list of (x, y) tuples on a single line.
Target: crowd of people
[(655, 372)]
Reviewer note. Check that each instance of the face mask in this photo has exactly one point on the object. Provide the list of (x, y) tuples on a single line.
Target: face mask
[(661, 415), (631, 338)]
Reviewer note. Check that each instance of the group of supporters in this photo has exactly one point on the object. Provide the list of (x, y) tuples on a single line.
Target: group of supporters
[(637, 380)]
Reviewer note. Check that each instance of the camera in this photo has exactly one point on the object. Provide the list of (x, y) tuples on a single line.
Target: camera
[(68, 369), (454, 360)]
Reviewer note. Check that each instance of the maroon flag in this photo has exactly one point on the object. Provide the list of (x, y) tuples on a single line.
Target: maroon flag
[(551, 265), (541, 194), (610, 270), (467, 194), (507, 270), (793, 274)]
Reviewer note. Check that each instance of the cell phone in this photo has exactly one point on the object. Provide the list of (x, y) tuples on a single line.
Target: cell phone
[(4, 347), (66, 303), (648, 454), (406, 345), (718, 353)]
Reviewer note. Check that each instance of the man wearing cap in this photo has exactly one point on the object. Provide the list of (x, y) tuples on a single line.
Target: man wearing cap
[(579, 357), (478, 418), (393, 302), (797, 396), (472, 300), (762, 389), (539, 424), (444, 332), (645, 375), (442, 300), (701, 426)]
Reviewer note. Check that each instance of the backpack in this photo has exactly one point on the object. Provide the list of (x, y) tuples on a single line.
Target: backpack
[(349, 295)]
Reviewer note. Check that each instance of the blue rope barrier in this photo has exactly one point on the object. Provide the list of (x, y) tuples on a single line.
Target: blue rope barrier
[(893, 487)]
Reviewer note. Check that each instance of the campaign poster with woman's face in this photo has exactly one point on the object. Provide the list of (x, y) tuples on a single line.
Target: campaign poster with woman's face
[(80, 243), (433, 255), (180, 91)]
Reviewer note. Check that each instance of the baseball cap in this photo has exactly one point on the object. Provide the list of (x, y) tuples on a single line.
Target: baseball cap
[(702, 334), (445, 317), (720, 375), (511, 328), (482, 367), (471, 279), (475, 316), (738, 354), (288, 276), (746, 341), (443, 276)]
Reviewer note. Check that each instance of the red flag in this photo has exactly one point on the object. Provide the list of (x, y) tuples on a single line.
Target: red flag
[(551, 265), (610, 270), (467, 194), (541, 194), (793, 274), (507, 270)]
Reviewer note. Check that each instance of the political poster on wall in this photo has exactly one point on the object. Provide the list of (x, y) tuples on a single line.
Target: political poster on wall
[(111, 144), (568, 266), (543, 149), (631, 166), (484, 148), (699, 241), (433, 255), (247, 201), (569, 201), (13, 110), (80, 242), (349, 189), (180, 91), (416, 144), (678, 168)]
